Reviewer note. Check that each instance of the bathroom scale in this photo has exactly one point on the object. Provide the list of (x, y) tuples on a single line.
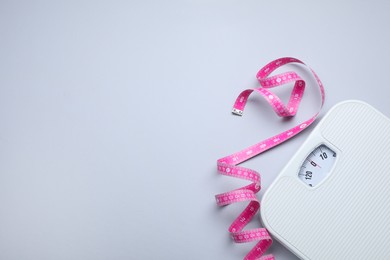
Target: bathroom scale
[(332, 199)]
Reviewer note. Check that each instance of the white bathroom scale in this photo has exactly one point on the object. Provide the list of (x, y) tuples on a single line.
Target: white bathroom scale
[(332, 199)]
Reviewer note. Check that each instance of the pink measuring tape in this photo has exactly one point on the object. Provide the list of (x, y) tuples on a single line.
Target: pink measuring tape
[(228, 165)]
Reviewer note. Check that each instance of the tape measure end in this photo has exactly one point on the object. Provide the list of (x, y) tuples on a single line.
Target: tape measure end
[(237, 112)]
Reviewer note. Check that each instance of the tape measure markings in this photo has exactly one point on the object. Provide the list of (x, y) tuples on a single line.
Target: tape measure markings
[(229, 165)]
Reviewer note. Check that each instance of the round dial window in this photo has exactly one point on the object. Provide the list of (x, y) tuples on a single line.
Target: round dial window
[(317, 165)]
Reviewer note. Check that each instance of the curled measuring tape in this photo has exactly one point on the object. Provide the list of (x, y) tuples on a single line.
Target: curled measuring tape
[(229, 164)]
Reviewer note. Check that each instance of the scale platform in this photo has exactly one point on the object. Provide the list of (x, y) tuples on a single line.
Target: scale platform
[(332, 199)]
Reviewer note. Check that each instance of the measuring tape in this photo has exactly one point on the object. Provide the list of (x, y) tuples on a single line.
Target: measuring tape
[(229, 164)]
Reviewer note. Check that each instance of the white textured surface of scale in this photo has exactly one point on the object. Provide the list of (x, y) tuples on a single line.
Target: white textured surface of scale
[(348, 214)]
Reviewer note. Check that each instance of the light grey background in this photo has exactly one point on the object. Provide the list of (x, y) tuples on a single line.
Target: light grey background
[(113, 114)]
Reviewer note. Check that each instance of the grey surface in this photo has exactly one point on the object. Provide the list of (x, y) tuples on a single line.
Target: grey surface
[(113, 115)]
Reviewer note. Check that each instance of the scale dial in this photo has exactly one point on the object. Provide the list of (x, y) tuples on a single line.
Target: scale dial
[(317, 165)]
